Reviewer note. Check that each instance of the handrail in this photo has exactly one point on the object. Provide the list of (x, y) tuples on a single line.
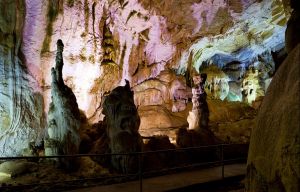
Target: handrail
[(113, 154), (139, 175)]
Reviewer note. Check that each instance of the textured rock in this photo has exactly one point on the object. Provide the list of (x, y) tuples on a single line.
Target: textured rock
[(274, 154), (234, 132), (164, 119), (63, 116), (225, 111), (139, 40), (198, 117), (123, 121), (17, 168), (146, 39), (217, 85), (21, 102), (231, 122), (240, 47)]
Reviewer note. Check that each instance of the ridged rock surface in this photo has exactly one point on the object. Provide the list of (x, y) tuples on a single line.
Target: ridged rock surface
[(21, 102), (123, 121), (274, 154)]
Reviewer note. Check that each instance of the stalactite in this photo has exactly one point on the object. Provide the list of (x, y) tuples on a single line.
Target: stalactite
[(86, 16), (188, 73), (70, 3), (94, 35), (109, 54), (54, 9)]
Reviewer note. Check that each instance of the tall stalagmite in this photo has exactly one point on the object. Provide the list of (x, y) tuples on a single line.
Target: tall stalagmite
[(63, 115)]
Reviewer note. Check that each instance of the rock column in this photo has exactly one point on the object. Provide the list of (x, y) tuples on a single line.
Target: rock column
[(198, 117)]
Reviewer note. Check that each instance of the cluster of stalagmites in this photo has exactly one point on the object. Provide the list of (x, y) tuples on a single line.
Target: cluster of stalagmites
[(69, 132), (64, 122)]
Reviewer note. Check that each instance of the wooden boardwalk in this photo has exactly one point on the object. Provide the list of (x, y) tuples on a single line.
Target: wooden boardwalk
[(172, 181)]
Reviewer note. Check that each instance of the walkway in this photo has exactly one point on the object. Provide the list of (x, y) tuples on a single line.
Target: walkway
[(172, 181)]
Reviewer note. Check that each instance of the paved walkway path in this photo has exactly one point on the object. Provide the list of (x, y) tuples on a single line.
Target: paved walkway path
[(172, 181)]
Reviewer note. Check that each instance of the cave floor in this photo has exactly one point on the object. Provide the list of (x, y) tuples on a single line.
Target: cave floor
[(175, 182)]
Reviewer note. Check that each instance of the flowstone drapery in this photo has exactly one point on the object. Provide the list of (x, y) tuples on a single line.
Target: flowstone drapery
[(21, 103), (63, 115)]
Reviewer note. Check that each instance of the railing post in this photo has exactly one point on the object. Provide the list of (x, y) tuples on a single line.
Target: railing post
[(140, 172), (222, 160)]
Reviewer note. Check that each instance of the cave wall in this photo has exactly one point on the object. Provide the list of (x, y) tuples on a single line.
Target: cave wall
[(273, 159), (21, 102), (151, 45)]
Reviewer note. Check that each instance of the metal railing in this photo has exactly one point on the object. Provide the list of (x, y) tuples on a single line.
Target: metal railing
[(221, 158)]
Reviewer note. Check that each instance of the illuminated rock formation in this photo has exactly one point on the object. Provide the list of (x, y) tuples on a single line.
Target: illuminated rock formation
[(123, 121), (198, 117), (240, 48), (153, 44), (21, 102), (147, 39), (63, 116)]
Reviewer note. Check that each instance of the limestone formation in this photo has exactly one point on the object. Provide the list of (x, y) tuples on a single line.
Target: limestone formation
[(273, 159), (109, 52), (165, 121), (198, 117), (123, 122), (63, 116), (143, 41), (21, 102)]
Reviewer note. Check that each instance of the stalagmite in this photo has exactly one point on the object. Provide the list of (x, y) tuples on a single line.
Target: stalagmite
[(123, 122), (198, 117), (63, 115)]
